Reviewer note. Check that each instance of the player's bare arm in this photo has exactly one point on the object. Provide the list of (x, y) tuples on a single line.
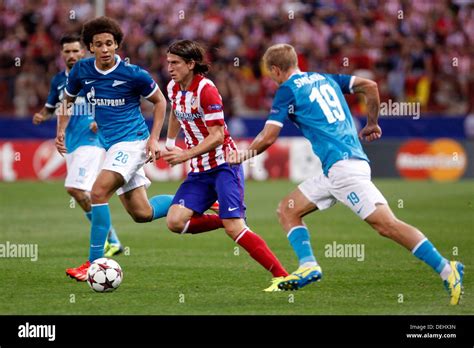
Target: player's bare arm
[(213, 140), (63, 120), (262, 141), (173, 131), (44, 115), (159, 112), (369, 89)]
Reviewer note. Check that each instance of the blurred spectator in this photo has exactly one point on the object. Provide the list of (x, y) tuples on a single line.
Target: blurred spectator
[(416, 50)]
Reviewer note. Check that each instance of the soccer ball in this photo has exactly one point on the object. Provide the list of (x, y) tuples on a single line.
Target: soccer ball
[(104, 275)]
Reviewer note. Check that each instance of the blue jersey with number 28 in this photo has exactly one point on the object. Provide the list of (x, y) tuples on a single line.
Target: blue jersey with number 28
[(315, 103)]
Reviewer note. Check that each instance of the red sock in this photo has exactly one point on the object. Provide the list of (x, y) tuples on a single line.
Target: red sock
[(260, 252), (203, 223)]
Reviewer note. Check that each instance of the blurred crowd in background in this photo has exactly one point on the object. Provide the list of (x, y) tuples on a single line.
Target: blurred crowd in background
[(417, 50)]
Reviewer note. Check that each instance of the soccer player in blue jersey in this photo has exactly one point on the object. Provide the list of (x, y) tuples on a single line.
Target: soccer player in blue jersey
[(315, 103), (85, 152), (113, 88)]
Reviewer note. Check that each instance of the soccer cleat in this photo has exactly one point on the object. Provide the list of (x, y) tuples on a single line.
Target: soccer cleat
[(112, 249), (454, 282), (275, 285), (301, 277), (79, 273), (215, 207)]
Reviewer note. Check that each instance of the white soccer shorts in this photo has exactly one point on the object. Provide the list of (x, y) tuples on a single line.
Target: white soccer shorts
[(349, 182), (127, 158), (83, 166)]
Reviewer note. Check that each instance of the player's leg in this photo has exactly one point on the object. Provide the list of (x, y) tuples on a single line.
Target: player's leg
[(193, 198), (387, 225), (257, 249), (122, 161), (82, 198), (355, 189), (229, 185), (83, 166), (291, 211), (140, 208), (106, 184), (384, 221)]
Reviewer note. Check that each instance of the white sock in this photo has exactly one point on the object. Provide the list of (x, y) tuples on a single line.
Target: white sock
[(446, 271), (309, 264)]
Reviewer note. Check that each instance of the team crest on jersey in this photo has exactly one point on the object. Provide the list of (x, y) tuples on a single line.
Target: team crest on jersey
[(194, 103)]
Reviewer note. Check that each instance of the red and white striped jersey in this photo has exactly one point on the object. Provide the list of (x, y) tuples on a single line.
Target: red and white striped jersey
[(198, 108)]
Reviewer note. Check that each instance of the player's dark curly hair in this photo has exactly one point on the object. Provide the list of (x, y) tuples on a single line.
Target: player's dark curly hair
[(191, 51), (101, 25)]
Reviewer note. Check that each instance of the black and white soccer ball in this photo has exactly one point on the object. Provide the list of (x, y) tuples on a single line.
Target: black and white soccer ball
[(104, 275)]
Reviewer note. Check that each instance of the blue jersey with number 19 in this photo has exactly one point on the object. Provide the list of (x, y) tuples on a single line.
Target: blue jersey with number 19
[(315, 103), (115, 97)]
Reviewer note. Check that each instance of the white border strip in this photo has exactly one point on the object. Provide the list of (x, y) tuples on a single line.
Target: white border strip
[(99, 204), (245, 230), (152, 92), (418, 245), (294, 228), (276, 123)]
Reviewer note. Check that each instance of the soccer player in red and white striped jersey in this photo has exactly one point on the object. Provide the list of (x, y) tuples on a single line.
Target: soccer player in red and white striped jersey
[(197, 109)]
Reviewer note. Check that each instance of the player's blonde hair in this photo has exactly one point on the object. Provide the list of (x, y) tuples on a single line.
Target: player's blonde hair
[(282, 56)]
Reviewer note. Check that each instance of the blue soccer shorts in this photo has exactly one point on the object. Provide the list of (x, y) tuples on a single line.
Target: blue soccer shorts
[(224, 183)]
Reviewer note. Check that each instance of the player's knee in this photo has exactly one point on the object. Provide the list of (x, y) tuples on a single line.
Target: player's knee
[(285, 213), (74, 193), (141, 216), (175, 224), (98, 195)]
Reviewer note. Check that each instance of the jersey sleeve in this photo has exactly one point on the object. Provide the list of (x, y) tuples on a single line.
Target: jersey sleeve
[(74, 84), (53, 95), (211, 104), (283, 103), (344, 81), (145, 84)]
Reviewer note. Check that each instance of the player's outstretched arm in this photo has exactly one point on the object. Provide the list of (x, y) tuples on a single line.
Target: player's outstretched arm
[(159, 112), (262, 141), (369, 89)]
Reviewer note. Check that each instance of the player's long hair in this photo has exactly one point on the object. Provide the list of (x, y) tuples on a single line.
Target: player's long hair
[(191, 51), (101, 25)]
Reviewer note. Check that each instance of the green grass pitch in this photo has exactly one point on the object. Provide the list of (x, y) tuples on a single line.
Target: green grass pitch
[(166, 273)]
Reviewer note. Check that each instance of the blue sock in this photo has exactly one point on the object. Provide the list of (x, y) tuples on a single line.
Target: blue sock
[(112, 237), (427, 253), (160, 205), (299, 240), (100, 228)]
